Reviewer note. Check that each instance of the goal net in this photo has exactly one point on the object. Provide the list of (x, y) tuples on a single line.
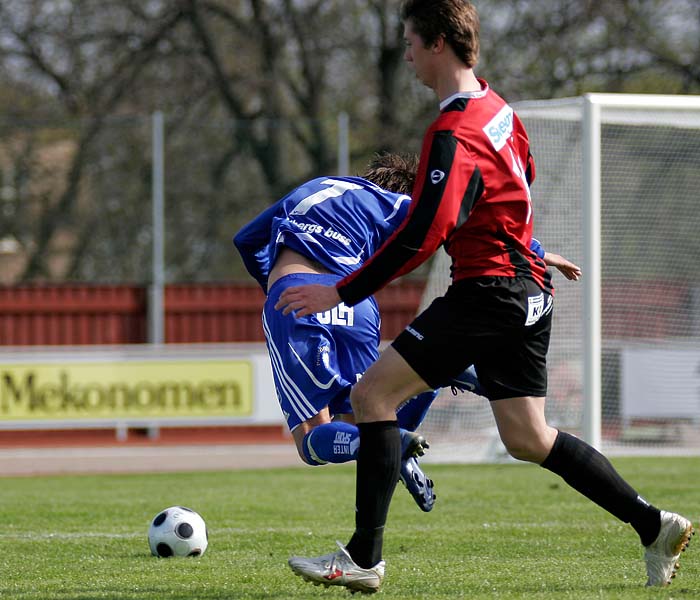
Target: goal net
[(617, 192)]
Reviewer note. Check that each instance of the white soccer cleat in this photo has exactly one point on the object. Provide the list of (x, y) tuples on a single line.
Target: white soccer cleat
[(338, 569), (662, 556)]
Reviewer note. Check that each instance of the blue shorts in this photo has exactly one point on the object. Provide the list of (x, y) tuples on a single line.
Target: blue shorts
[(316, 359)]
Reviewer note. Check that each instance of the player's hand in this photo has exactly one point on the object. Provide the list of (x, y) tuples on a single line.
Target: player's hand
[(566, 267), (307, 299)]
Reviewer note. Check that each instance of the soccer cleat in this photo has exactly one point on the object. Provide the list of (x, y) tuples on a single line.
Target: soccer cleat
[(662, 556), (411, 475), (418, 485), (412, 444), (338, 569)]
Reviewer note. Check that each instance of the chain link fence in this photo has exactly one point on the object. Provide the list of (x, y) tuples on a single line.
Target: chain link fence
[(76, 198)]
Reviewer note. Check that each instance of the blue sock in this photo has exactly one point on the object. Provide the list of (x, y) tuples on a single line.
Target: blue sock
[(335, 442), (412, 412)]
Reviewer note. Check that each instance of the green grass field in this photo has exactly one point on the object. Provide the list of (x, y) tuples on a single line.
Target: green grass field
[(497, 531)]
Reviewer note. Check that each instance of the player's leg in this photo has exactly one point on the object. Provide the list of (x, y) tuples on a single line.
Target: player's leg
[(310, 383), (303, 403), (355, 356), (521, 424), (527, 436), (375, 399), (344, 353), (523, 428), (663, 534), (410, 415), (513, 369), (320, 441), (353, 333), (425, 356)]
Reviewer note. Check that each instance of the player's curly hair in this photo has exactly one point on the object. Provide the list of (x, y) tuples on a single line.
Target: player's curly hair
[(393, 172), (456, 20)]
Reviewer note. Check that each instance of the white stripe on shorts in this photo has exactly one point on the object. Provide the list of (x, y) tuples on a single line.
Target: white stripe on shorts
[(301, 406)]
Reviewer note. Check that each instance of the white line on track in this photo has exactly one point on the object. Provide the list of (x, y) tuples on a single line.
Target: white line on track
[(145, 459)]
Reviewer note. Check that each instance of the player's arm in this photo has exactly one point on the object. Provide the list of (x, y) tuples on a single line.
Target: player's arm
[(252, 242), (447, 185), (566, 267)]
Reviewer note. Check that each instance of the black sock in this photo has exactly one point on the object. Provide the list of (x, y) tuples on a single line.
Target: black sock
[(589, 472), (378, 467)]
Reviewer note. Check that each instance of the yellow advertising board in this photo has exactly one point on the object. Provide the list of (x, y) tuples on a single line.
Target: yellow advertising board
[(129, 389)]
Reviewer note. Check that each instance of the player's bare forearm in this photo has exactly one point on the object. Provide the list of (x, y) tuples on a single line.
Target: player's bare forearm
[(308, 299), (566, 267)]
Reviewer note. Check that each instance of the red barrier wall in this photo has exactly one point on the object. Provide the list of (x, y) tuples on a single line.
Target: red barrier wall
[(72, 315), (117, 314), (213, 313), (114, 314)]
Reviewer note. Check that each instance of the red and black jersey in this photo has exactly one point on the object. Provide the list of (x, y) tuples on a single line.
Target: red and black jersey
[(472, 195)]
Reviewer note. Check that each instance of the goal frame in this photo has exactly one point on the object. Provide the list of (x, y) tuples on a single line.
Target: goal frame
[(589, 109)]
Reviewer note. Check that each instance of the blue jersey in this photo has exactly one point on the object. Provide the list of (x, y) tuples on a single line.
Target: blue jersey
[(336, 221)]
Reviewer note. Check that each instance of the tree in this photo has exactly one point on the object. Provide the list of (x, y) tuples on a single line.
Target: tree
[(57, 44), (251, 90)]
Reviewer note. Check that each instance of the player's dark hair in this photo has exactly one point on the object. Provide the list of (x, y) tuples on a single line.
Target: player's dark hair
[(456, 20), (393, 172)]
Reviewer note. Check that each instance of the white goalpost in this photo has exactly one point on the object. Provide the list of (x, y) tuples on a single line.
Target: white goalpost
[(618, 192)]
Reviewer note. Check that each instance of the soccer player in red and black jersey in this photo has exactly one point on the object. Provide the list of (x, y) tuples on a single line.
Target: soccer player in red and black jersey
[(472, 196)]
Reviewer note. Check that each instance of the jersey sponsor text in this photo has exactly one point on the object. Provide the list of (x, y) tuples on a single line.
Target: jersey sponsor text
[(500, 128), (338, 315)]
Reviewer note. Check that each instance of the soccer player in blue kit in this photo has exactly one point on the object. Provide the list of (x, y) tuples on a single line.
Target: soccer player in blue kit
[(318, 233)]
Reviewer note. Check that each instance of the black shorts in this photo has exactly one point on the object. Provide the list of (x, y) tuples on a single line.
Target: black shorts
[(500, 325)]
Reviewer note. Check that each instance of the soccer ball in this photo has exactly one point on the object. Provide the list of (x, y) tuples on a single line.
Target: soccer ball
[(178, 531)]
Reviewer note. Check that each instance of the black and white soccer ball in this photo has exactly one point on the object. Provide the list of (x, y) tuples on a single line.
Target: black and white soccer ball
[(178, 531)]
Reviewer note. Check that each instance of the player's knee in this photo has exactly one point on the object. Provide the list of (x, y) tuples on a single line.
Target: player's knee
[(307, 452), (309, 459), (527, 448), (359, 399), (311, 462), (372, 400), (367, 405), (522, 453)]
